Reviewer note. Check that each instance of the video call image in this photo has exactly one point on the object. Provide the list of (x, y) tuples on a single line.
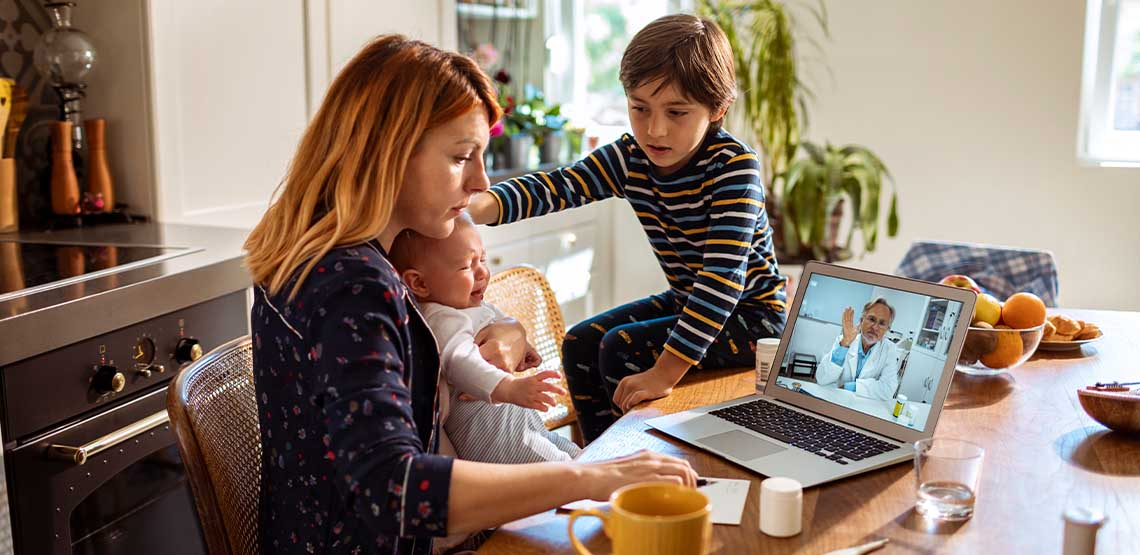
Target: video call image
[(876, 350)]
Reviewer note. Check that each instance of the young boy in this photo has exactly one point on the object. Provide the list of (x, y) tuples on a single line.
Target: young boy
[(697, 192), (500, 425)]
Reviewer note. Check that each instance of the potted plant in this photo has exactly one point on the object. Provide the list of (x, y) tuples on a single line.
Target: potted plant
[(815, 189), (772, 107)]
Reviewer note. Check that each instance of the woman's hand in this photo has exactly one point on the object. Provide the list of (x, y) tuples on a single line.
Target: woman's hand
[(504, 345), (602, 478), (849, 329)]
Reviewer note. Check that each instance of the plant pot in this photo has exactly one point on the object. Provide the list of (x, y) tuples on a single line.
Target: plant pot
[(829, 251), (519, 149), (553, 147)]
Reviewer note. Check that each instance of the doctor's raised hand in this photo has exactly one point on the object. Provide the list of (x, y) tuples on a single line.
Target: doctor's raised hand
[(849, 329)]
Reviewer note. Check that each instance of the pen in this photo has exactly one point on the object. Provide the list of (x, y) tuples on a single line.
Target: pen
[(860, 549), (702, 482)]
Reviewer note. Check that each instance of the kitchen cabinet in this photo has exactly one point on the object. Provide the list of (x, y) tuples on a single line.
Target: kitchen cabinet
[(206, 100)]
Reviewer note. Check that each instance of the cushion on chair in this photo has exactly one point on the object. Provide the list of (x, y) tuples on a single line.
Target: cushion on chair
[(1001, 271)]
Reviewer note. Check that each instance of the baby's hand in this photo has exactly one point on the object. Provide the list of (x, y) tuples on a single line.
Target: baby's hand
[(532, 392), (530, 360)]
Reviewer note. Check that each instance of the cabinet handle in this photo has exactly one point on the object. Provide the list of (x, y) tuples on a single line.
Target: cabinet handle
[(496, 260), (568, 240)]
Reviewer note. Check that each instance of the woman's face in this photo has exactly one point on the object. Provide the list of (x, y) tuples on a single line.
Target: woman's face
[(446, 168)]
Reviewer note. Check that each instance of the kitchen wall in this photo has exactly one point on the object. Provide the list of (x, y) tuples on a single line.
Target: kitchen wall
[(975, 110), (973, 104)]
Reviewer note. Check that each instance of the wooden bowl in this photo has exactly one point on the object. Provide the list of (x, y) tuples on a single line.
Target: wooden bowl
[(1118, 410)]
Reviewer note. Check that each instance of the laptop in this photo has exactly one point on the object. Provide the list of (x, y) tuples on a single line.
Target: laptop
[(828, 411)]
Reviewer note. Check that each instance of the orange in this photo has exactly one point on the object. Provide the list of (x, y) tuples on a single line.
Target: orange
[(1023, 310), (1007, 350)]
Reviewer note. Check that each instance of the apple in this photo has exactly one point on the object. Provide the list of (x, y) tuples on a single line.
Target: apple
[(987, 309), (959, 280)]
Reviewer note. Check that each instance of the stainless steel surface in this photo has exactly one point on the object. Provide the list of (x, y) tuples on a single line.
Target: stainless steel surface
[(86, 276), (55, 317), (79, 455)]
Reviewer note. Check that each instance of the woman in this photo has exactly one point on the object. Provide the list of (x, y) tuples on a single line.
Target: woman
[(345, 368)]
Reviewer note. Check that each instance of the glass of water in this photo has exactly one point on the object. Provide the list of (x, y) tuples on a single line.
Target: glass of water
[(948, 472)]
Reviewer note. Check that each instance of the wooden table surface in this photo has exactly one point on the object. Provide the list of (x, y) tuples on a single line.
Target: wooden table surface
[(1042, 453)]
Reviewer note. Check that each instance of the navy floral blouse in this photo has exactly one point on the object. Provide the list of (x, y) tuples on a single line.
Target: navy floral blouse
[(346, 378)]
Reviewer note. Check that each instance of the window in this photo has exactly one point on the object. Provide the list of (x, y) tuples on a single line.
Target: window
[(1109, 132), (586, 47)]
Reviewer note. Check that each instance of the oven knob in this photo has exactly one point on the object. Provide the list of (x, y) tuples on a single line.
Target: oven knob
[(108, 379), (188, 350)]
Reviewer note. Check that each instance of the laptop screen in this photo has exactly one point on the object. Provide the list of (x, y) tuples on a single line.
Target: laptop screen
[(873, 349)]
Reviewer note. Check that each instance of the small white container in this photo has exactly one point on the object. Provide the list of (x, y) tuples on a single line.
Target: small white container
[(1081, 526), (765, 353), (781, 507)]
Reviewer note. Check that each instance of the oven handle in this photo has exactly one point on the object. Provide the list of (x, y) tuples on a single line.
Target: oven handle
[(79, 455)]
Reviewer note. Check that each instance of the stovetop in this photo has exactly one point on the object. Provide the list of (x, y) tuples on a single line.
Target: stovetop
[(28, 267), (61, 287)]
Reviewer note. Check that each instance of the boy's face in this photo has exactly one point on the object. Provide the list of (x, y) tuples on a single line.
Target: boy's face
[(456, 274), (667, 124)]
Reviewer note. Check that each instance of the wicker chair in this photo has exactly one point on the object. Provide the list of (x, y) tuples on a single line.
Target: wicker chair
[(524, 293), (213, 411)]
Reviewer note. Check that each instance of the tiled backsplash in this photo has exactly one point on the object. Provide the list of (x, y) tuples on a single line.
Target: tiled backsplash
[(21, 22)]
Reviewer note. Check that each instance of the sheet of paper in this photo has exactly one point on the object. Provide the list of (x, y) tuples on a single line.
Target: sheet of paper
[(726, 496)]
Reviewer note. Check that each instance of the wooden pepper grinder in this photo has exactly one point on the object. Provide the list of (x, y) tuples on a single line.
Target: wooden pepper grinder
[(64, 185), (98, 172)]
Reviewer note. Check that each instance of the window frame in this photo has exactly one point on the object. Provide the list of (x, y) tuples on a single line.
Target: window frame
[(1098, 143)]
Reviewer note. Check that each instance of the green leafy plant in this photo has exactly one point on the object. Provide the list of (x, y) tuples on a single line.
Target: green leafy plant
[(815, 188), (772, 103), (772, 98), (532, 115)]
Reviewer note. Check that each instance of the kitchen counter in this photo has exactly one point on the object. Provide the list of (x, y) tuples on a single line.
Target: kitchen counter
[(210, 266)]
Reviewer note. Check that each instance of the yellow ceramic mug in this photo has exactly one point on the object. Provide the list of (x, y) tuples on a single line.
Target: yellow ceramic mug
[(654, 518)]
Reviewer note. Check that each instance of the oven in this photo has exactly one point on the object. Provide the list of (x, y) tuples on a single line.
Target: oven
[(90, 462)]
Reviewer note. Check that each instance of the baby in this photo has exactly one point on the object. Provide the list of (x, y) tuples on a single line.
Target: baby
[(448, 277)]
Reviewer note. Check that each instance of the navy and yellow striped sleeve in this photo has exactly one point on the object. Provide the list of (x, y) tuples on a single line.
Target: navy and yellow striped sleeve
[(735, 208), (598, 176)]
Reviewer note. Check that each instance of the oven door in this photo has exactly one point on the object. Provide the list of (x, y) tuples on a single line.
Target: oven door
[(125, 492)]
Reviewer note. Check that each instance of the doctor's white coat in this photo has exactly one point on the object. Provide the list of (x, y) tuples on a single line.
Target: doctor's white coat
[(880, 376)]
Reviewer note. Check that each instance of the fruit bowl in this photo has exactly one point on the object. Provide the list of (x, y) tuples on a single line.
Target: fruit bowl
[(989, 351)]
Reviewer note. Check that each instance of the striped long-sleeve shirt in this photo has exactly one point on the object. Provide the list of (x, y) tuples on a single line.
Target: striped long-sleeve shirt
[(705, 222)]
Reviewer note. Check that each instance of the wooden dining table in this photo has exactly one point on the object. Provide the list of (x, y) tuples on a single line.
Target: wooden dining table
[(1043, 455)]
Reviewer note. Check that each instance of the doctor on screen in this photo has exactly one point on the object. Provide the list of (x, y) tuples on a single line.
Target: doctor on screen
[(860, 360)]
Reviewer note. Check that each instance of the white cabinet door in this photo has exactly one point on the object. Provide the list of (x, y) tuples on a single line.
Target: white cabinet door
[(229, 105)]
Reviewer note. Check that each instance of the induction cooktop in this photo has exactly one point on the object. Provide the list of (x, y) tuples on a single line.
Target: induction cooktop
[(29, 267)]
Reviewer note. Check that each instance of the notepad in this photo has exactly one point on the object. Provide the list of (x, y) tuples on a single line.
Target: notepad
[(726, 497)]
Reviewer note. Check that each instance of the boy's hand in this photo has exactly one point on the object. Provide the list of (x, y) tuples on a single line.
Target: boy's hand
[(532, 392), (483, 209), (655, 383)]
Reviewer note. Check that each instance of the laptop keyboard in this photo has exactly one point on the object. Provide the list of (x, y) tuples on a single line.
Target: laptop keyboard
[(811, 434)]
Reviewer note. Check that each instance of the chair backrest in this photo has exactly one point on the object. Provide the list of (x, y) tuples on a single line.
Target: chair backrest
[(1002, 271), (213, 412), (524, 293)]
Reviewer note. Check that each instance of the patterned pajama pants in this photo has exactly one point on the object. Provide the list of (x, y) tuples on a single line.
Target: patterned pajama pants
[(626, 340)]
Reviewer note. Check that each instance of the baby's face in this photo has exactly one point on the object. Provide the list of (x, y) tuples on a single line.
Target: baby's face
[(457, 274)]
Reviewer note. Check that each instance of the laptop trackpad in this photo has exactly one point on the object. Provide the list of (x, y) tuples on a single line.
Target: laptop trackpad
[(742, 446)]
